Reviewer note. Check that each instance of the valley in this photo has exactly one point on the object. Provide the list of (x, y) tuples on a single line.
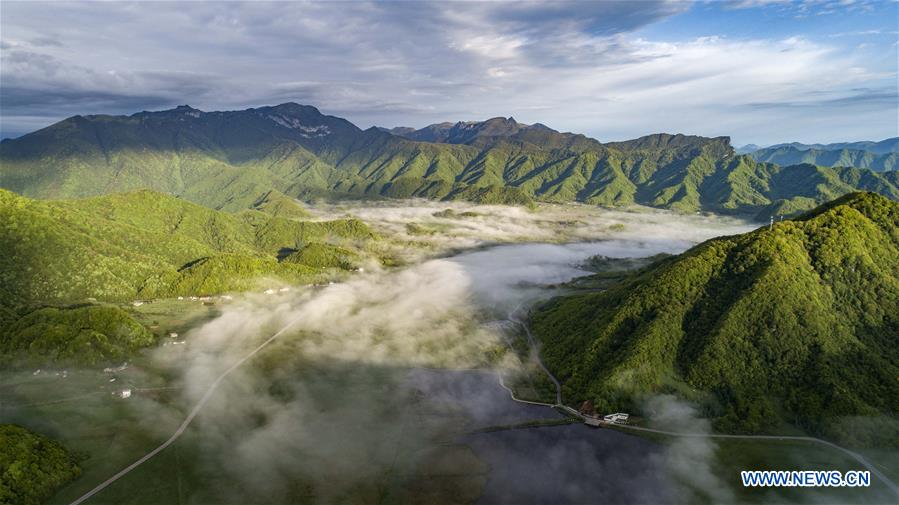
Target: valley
[(385, 384), (449, 252)]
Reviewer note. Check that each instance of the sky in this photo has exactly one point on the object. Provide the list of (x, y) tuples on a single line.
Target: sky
[(760, 71)]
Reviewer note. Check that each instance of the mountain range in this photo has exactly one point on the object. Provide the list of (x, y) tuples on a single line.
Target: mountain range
[(468, 132), (230, 160), (886, 146), (791, 323), (878, 156), (842, 157)]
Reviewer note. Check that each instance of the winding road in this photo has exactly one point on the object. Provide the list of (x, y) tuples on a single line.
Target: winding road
[(532, 342), (536, 351), (559, 405), (190, 417)]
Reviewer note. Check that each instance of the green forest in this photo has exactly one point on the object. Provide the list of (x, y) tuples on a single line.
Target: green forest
[(85, 335), (794, 323), (32, 466), (145, 244), (243, 159), (60, 260)]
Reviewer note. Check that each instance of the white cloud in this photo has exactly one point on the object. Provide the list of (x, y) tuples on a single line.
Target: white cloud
[(575, 67)]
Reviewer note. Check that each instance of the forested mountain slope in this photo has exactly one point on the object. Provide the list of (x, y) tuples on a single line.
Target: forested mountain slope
[(146, 244), (231, 160), (798, 323)]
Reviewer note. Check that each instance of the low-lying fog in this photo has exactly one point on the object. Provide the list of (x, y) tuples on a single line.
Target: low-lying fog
[(341, 406), (335, 401), (454, 226)]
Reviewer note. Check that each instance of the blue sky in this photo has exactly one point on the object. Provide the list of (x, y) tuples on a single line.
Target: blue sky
[(761, 71)]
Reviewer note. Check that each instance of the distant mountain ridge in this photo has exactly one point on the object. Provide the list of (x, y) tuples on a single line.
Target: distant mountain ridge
[(843, 157), (747, 149), (467, 132), (230, 160), (878, 156), (886, 146)]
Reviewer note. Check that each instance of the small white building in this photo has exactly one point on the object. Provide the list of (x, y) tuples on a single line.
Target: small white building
[(284, 290), (137, 303), (269, 291), (616, 418), (173, 335), (125, 393)]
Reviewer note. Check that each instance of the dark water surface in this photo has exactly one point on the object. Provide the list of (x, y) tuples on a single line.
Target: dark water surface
[(551, 464), (570, 464), (478, 396)]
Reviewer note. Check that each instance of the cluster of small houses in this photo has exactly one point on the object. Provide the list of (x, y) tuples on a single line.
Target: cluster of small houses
[(591, 418), (616, 418), (121, 393), (205, 299), (210, 300), (271, 291)]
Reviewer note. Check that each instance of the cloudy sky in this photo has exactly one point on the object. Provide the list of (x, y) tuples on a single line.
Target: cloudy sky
[(761, 71)]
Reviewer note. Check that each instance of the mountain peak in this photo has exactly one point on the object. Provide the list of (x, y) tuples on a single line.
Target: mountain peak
[(182, 110), (498, 120), (306, 121), (179, 111), (468, 132), (721, 145), (294, 108)]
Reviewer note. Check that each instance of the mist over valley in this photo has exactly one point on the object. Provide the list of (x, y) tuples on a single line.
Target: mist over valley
[(496, 252)]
